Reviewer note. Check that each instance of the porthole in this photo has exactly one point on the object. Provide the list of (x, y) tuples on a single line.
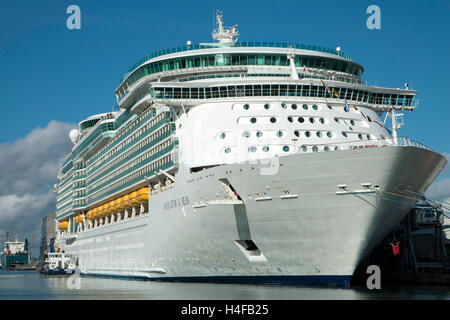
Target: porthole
[(311, 120), (273, 119), (315, 149), (259, 134), (304, 148), (290, 119), (246, 134), (352, 122), (279, 133), (246, 106), (252, 149), (294, 106), (286, 148), (305, 107), (283, 105), (336, 148), (267, 106), (368, 137), (329, 134), (308, 134), (227, 150), (326, 148), (319, 134), (315, 107), (253, 120), (301, 119), (336, 120), (344, 134), (297, 133), (265, 149), (222, 135), (360, 136), (322, 120), (329, 107)]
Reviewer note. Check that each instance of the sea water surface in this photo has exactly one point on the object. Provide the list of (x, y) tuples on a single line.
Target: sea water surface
[(31, 285)]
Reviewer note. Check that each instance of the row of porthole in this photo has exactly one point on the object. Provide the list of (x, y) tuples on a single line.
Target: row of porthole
[(272, 120), (247, 134), (305, 106), (319, 134), (284, 106), (302, 120), (316, 148), (254, 149), (360, 136)]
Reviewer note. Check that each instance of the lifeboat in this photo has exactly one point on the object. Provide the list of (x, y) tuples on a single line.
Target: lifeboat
[(126, 201), (89, 215), (111, 207), (63, 225), (106, 209), (94, 213), (133, 198), (78, 219), (118, 203), (100, 211), (142, 194)]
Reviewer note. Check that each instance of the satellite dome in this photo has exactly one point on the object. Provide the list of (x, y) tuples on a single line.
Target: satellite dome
[(73, 134)]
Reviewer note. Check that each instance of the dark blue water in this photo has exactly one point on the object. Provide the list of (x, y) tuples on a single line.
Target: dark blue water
[(31, 285)]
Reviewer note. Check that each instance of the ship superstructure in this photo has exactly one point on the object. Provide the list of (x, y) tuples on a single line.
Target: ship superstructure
[(247, 161)]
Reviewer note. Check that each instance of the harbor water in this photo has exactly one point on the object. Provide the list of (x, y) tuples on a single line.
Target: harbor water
[(31, 285)]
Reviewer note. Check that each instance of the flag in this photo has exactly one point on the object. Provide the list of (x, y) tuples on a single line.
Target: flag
[(395, 248), (346, 108)]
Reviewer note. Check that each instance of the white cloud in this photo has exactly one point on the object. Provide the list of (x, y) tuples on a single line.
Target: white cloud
[(28, 169), (440, 190)]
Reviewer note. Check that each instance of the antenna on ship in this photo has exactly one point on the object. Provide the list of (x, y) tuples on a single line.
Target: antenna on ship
[(224, 36)]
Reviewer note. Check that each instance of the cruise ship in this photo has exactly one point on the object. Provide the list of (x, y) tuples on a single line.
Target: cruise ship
[(231, 161)]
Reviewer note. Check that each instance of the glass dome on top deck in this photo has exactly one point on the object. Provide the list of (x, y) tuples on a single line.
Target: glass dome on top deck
[(251, 44)]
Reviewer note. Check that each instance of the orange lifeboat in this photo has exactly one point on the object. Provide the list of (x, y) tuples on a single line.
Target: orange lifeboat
[(118, 204), (100, 212), (111, 207), (133, 198), (142, 195), (126, 202), (106, 209), (63, 225), (89, 215)]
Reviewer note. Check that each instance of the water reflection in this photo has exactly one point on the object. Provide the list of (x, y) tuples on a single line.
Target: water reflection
[(32, 285)]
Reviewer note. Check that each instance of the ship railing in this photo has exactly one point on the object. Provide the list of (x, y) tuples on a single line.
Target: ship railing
[(248, 44), (362, 144)]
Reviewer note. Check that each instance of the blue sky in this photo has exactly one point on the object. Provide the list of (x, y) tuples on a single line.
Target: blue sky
[(52, 77), (52, 73)]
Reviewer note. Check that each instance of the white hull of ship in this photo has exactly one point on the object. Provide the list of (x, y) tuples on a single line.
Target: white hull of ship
[(312, 235)]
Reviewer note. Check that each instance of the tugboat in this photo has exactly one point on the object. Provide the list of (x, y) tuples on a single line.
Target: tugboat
[(58, 263)]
